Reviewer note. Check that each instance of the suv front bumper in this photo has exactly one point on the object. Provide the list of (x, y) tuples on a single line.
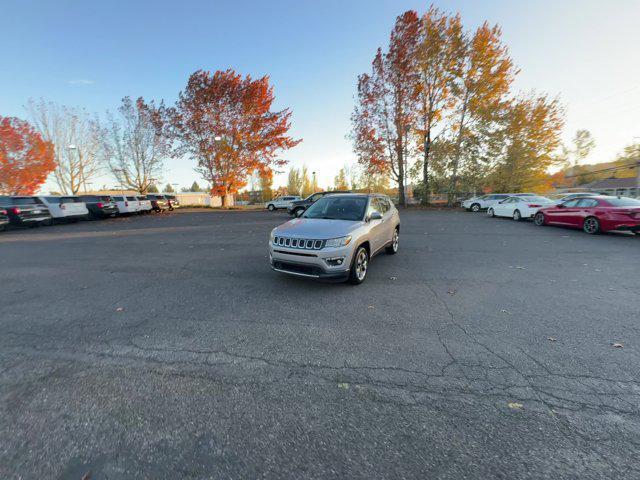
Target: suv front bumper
[(311, 263)]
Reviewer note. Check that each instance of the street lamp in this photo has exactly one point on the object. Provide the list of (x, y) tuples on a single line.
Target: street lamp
[(73, 147)]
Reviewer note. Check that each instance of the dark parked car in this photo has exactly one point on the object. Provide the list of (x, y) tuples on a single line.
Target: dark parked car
[(159, 202), (4, 219), (100, 206), (299, 206), (26, 211)]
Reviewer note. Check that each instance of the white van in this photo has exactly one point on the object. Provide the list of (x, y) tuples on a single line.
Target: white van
[(68, 207), (126, 204)]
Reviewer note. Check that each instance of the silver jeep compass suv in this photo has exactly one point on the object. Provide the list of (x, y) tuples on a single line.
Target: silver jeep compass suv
[(336, 237)]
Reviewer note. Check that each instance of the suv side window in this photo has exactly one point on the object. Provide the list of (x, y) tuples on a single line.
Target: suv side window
[(382, 206), (373, 206)]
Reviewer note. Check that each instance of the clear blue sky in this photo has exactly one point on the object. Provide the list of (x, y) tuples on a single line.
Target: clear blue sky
[(91, 54)]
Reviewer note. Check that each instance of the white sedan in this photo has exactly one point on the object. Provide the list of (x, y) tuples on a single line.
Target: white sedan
[(519, 207)]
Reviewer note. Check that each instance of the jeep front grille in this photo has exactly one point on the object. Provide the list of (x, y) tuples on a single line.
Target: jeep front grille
[(302, 243)]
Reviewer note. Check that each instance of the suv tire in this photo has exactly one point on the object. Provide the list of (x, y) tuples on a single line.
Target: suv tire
[(271, 207), (475, 208), (359, 266), (393, 248)]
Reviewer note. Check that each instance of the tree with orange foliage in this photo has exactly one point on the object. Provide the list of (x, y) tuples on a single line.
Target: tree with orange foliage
[(481, 94), (440, 57), (530, 137), (385, 105), (226, 123), (25, 158)]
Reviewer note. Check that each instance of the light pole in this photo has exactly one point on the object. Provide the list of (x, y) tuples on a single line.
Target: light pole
[(83, 180)]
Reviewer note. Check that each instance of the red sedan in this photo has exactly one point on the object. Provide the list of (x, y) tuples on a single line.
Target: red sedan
[(593, 214)]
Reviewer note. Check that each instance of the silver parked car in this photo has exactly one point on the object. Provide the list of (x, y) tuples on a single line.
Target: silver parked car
[(336, 237)]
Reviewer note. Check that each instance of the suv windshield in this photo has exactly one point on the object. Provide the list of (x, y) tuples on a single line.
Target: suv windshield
[(338, 208)]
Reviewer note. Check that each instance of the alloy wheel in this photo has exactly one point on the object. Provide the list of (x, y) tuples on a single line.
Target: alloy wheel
[(475, 207), (539, 219), (516, 215), (591, 225), (362, 261), (395, 241)]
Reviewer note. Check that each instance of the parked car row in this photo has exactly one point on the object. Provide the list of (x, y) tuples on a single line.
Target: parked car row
[(35, 210), (590, 212)]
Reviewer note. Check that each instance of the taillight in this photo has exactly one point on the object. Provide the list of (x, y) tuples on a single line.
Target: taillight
[(15, 210), (126, 204), (62, 206), (3, 212), (100, 205), (533, 205)]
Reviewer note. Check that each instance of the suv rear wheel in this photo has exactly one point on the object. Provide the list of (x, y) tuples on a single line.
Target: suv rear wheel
[(359, 266), (475, 207), (393, 248), (271, 207)]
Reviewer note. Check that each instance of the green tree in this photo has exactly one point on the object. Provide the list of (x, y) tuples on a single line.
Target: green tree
[(307, 188), (583, 144), (294, 182), (168, 188), (195, 187), (341, 182), (152, 189)]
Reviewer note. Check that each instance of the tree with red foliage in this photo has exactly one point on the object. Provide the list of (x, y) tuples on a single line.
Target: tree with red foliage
[(226, 123), (25, 158)]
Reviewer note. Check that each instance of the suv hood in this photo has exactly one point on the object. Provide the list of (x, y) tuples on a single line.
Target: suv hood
[(317, 228)]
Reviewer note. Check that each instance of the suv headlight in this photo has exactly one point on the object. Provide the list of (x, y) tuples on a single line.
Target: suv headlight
[(338, 242), (273, 234)]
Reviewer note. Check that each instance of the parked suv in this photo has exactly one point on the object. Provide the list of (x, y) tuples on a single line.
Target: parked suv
[(100, 206), (282, 202), (336, 237), (299, 206), (67, 207), (26, 211)]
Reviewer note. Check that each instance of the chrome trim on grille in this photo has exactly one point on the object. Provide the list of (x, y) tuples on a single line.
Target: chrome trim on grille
[(301, 243)]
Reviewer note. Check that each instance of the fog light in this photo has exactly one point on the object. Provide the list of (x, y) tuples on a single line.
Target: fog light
[(334, 261)]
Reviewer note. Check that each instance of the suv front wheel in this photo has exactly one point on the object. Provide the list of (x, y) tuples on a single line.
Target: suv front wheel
[(359, 266)]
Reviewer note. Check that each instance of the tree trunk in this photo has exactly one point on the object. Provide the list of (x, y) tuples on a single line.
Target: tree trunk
[(425, 169), (401, 192)]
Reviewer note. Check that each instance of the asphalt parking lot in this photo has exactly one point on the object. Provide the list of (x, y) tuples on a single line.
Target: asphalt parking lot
[(165, 347)]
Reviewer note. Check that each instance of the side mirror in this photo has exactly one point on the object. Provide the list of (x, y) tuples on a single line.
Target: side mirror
[(375, 216)]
